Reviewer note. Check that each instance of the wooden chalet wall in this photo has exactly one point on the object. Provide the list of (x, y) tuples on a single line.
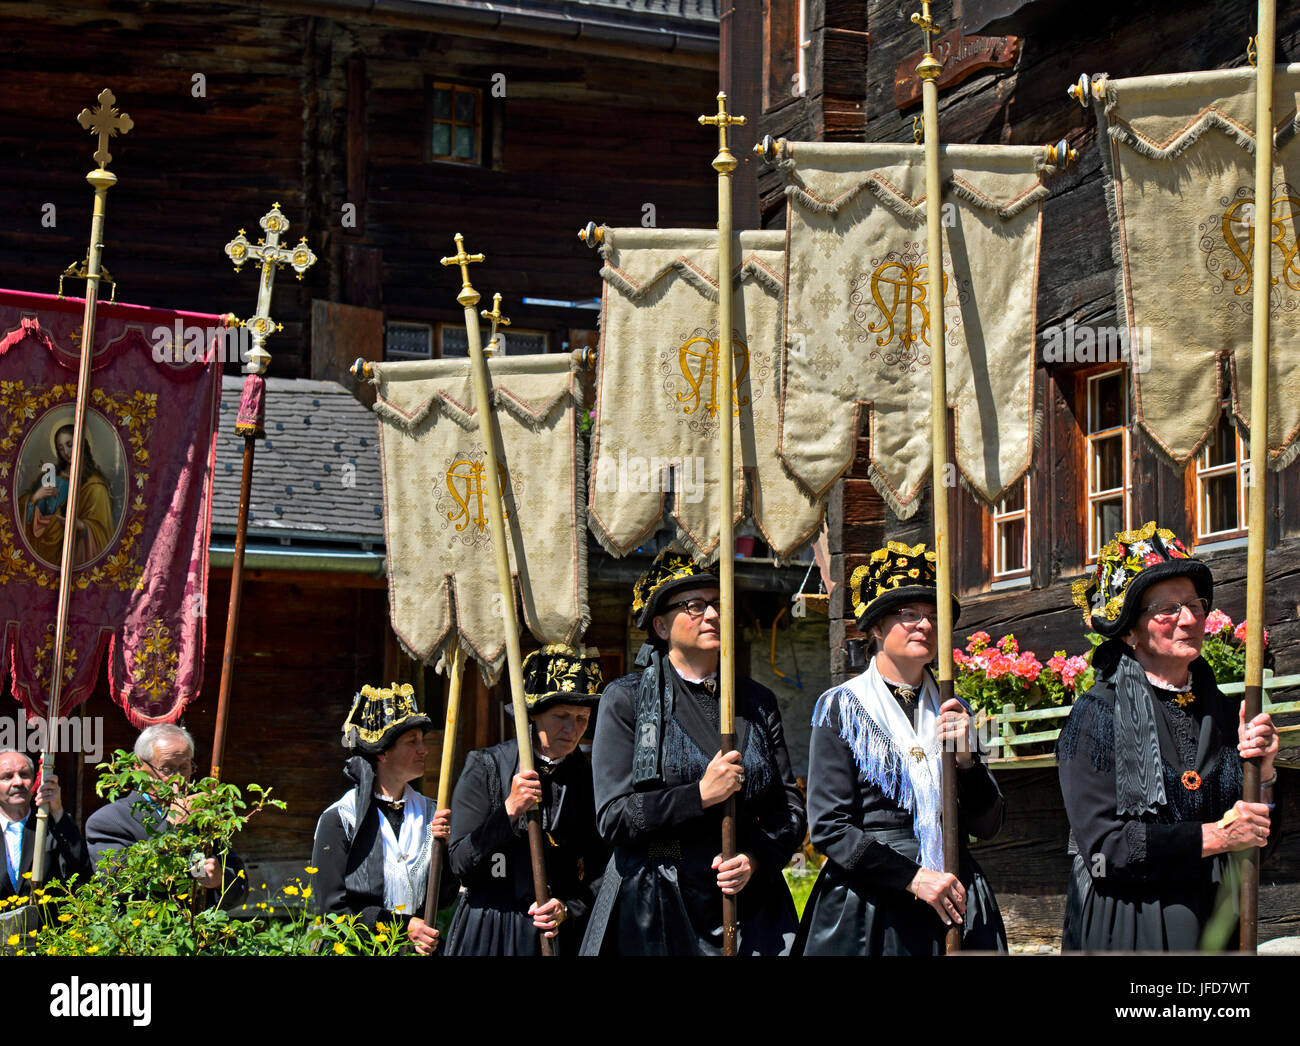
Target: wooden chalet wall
[(237, 106)]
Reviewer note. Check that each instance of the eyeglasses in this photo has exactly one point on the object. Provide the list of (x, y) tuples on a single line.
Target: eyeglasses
[(1172, 610), (695, 608), (908, 616), (183, 769)]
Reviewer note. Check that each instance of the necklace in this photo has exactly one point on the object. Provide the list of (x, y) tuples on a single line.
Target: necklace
[(904, 690)]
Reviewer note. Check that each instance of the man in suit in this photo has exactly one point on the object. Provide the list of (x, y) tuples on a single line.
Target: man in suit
[(167, 752), (65, 851)]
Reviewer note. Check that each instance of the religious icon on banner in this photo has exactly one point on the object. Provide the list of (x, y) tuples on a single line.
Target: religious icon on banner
[(43, 479)]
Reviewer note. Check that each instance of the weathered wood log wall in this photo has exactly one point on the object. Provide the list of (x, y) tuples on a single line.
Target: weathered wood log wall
[(236, 107)]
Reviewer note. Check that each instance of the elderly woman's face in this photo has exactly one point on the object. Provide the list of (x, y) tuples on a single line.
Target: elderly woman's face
[(701, 634), (560, 728), (1177, 636)]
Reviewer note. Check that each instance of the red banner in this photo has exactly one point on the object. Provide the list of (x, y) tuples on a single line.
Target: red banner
[(140, 560)]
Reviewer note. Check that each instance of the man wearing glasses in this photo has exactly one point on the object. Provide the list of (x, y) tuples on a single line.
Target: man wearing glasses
[(167, 753)]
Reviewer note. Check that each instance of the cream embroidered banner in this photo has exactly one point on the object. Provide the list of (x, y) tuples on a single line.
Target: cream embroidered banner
[(441, 574), (1180, 163), (659, 407), (857, 319)]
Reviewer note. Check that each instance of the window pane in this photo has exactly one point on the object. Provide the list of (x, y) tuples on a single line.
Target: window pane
[(1011, 546), (1108, 520), (464, 143), (1222, 447), (466, 107), (1107, 463), (1014, 501), (441, 139), (441, 103), (1106, 402), (1219, 503)]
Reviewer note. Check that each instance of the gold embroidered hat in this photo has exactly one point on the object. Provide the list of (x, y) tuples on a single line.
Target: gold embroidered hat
[(380, 715), (1130, 563), (672, 571), (560, 675), (894, 576)]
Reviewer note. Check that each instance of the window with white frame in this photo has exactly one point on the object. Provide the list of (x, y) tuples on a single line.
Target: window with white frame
[(407, 341), (1106, 457), (1011, 533), (1221, 469)]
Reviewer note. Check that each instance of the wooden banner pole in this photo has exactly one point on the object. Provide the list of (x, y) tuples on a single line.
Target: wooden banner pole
[(449, 729), (725, 163), (1257, 491), (468, 298)]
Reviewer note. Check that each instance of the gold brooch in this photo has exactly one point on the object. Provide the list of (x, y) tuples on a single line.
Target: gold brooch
[(1183, 700), (918, 753)]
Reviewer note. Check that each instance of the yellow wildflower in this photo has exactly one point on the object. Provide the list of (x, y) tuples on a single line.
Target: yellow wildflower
[(135, 922), (311, 871), (291, 891), (92, 949), (182, 897), (64, 917), (306, 892), (339, 949), (13, 939), (27, 875)]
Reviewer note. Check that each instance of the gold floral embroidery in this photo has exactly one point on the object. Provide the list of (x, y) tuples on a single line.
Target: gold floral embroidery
[(155, 662)]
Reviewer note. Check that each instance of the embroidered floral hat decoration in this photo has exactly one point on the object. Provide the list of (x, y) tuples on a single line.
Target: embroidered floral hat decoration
[(560, 675), (380, 715), (1130, 563), (672, 571), (894, 576)]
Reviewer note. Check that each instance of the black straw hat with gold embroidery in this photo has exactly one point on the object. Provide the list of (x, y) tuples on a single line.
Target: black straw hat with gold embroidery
[(560, 675), (380, 715), (1129, 564), (672, 571), (894, 576)]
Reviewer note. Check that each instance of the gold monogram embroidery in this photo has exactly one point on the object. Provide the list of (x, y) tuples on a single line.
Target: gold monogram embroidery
[(698, 360), (465, 484), (1236, 227)]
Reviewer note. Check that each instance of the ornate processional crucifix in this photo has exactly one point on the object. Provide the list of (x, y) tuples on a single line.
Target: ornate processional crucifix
[(270, 255)]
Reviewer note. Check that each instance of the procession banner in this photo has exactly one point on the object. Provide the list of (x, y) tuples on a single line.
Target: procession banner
[(1180, 185), (442, 583), (857, 320), (659, 407), (140, 560)]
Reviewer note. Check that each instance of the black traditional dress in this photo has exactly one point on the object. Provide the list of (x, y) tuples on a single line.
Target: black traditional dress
[(660, 893), (356, 873), (860, 904), (1139, 882), (490, 855)]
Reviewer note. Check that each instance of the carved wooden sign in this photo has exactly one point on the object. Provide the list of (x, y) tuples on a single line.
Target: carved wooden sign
[(961, 56)]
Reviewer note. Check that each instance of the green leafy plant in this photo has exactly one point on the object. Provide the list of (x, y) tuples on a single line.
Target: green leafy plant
[(142, 901)]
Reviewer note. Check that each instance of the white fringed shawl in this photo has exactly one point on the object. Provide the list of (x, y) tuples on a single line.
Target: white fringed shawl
[(885, 747)]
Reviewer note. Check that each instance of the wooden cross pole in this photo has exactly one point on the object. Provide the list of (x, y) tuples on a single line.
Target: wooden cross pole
[(267, 253), (1257, 530), (725, 163), (105, 122), (928, 70), (468, 298)]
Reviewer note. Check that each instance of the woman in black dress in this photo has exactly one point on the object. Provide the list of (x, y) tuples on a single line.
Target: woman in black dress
[(497, 913), (372, 847), (661, 782), (874, 786), (1150, 758)]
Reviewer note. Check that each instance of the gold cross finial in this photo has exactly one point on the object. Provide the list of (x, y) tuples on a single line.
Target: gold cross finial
[(926, 25), (270, 255), (497, 319), (468, 295), (722, 120), (106, 122)]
